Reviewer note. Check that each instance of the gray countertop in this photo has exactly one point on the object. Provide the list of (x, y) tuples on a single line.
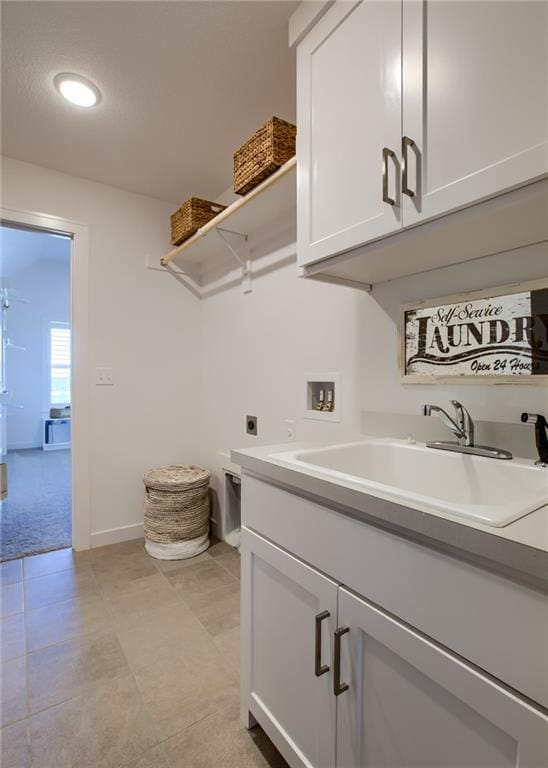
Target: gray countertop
[(519, 550)]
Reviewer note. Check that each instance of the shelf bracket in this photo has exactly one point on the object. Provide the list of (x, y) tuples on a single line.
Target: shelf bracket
[(241, 253)]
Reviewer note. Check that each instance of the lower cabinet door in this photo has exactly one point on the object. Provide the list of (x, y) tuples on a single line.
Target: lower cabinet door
[(411, 703), (289, 614)]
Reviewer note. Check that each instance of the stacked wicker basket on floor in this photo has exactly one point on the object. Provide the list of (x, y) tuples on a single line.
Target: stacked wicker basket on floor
[(176, 511), (259, 157)]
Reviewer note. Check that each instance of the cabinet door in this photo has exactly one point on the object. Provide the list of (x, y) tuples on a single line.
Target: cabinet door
[(281, 598), (475, 101), (411, 703), (348, 110)]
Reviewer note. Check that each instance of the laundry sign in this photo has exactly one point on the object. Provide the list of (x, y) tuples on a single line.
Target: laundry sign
[(499, 335)]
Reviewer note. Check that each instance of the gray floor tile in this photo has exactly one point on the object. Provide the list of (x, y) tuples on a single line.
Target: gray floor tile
[(177, 694), (118, 551), (107, 728), (228, 644), (62, 621), (221, 740), (58, 587), (117, 558), (172, 631), (11, 571), (15, 746), (138, 596), (12, 636), (155, 758), (12, 599), (231, 562), (218, 611), (51, 562), (69, 669), (171, 565), (115, 575), (13, 687), (195, 582), (219, 548)]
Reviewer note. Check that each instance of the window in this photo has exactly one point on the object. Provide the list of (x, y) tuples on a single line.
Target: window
[(59, 363)]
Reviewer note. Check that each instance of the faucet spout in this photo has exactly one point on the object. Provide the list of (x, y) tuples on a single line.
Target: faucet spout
[(429, 409), (462, 426)]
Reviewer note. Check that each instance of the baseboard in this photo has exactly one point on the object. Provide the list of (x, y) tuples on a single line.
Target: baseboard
[(116, 535), (23, 446)]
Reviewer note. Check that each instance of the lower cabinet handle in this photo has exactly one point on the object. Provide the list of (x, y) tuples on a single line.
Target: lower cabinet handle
[(405, 144), (338, 687), (319, 668), (386, 154)]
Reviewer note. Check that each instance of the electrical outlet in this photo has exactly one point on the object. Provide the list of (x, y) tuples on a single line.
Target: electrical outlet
[(251, 425), (290, 429), (104, 377)]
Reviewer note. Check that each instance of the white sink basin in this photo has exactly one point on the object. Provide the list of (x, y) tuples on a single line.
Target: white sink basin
[(491, 491)]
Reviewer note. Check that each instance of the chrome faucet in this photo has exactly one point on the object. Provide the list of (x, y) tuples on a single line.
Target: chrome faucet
[(462, 426)]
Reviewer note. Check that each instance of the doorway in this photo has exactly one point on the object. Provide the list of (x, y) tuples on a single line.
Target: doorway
[(35, 440)]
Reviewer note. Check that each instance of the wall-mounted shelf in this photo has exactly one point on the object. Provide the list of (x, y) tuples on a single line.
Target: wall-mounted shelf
[(229, 233)]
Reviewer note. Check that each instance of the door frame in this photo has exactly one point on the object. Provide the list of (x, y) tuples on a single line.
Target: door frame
[(79, 316)]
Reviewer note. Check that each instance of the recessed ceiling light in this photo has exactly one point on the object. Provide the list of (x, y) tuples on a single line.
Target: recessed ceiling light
[(76, 89)]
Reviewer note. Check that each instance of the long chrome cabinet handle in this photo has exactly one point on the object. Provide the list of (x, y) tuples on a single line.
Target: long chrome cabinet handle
[(406, 142), (319, 668), (386, 154), (338, 687)]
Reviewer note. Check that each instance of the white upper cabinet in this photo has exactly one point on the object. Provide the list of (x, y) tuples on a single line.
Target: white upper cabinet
[(450, 98), (475, 101), (349, 110)]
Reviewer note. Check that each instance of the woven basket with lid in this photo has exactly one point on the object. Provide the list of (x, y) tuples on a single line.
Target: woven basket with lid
[(176, 504)]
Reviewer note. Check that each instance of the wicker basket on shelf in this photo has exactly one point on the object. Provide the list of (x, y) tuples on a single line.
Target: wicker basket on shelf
[(266, 151), (192, 215)]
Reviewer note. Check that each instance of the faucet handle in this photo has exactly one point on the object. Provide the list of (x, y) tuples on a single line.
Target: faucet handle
[(464, 420)]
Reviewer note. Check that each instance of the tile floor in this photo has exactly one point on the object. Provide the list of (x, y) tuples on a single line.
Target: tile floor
[(111, 660)]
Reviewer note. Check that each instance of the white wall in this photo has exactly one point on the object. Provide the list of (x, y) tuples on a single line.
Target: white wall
[(141, 323), (187, 372), (257, 348), (36, 266)]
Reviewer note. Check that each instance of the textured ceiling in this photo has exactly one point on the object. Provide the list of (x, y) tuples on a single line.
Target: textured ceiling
[(183, 84)]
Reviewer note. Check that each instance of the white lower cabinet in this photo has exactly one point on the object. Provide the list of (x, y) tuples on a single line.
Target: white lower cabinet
[(337, 682), (281, 600), (411, 703)]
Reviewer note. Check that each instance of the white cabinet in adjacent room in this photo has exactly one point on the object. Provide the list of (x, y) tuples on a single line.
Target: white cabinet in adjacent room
[(349, 123)]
